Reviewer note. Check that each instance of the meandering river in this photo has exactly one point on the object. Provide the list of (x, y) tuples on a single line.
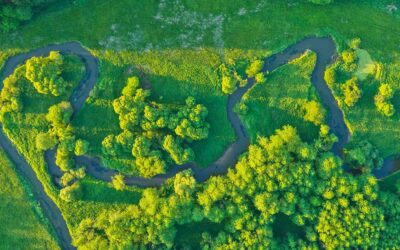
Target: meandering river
[(323, 47)]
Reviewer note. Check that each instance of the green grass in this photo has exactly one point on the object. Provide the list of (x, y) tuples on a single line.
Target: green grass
[(277, 102), (23, 224), (366, 66)]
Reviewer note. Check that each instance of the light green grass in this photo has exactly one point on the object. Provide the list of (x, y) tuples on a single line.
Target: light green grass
[(23, 225), (277, 102), (366, 66)]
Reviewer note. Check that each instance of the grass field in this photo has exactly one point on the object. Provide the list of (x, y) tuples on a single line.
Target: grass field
[(279, 100), (24, 225)]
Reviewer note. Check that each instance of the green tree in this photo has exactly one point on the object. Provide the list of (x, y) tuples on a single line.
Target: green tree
[(254, 68), (118, 182), (174, 148), (45, 141), (45, 74), (81, 147), (383, 98), (352, 92), (314, 112)]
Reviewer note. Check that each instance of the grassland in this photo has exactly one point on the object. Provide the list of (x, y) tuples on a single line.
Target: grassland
[(279, 100), (23, 223)]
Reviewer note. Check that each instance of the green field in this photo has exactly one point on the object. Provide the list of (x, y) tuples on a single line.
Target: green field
[(24, 226)]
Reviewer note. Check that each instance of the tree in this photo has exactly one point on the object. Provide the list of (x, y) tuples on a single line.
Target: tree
[(314, 112), (59, 114), (363, 156), (383, 98), (81, 147), (229, 85), (45, 74), (254, 68), (45, 141), (260, 78), (70, 193), (118, 182), (352, 93), (174, 148)]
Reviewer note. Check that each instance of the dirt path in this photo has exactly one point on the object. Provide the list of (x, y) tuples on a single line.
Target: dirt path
[(323, 47)]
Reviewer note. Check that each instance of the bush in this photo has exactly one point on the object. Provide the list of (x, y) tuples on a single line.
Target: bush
[(352, 93), (254, 68), (81, 147), (118, 182), (382, 100), (314, 112), (45, 141)]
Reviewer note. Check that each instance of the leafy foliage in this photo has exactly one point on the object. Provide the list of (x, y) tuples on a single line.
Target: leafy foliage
[(45, 74), (156, 134)]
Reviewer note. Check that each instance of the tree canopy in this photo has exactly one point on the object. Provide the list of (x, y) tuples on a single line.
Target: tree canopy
[(157, 135)]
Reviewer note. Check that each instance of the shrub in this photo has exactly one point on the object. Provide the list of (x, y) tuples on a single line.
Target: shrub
[(254, 68), (382, 100), (352, 92), (313, 112), (45, 141)]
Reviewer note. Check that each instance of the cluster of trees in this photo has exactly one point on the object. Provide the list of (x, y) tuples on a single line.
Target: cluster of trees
[(383, 98), (314, 112), (351, 92), (280, 176), (61, 134), (155, 134), (231, 79), (14, 12), (10, 99), (340, 76), (254, 70), (45, 74), (363, 156)]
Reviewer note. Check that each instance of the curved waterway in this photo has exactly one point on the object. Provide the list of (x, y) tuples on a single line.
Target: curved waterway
[(323, 47)]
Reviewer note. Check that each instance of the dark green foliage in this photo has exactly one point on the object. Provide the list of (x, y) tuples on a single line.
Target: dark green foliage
[(363, 156), (14, 12)]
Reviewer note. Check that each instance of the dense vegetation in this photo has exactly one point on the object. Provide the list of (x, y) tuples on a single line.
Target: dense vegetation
[(280, 176), (155, 134), (15, 12), (286, 191)]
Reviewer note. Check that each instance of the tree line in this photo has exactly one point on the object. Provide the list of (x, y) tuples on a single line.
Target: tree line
[(279, 176)]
